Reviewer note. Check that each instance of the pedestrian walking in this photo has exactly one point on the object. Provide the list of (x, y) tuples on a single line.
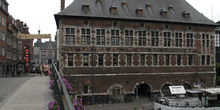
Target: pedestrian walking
[(46, 68), (41, 69)]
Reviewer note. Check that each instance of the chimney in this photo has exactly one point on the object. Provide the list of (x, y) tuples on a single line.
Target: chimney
[(62, 4)]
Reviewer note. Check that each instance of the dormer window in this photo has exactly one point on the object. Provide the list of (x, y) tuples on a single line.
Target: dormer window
[(98, 2), (186, 14), (114, 24), (124, 4), (163, 12), (148, 5), (141, 24), (113, 9), (86, 22), (170, 7), (139, 11), (85, 8)]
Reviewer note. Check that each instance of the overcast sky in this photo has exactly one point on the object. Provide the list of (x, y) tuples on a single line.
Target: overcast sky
[(40, 13)]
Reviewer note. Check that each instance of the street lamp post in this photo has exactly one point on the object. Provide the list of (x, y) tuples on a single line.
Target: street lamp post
[(137, 86)]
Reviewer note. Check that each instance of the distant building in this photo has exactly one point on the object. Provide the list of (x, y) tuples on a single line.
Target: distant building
[(111, 48), (25, 47), (44, 52)]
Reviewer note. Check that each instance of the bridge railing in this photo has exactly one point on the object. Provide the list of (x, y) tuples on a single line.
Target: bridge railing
[(60, 90)]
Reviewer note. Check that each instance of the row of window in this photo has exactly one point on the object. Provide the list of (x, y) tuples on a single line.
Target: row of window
[(142, 62), (129, 38)]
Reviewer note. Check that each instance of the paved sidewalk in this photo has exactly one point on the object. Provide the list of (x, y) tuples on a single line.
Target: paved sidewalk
[(32, 95)]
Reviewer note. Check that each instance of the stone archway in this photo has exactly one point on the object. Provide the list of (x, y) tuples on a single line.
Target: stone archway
[(165, 89), (187, 86), (144, 90)]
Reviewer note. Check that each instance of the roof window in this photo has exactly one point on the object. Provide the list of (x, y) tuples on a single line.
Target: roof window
[(98, 2), (170, 7), (124, 4), (186, 14), (163, 12), (113, 9), (139, 11), (85, 8), (148, 5)]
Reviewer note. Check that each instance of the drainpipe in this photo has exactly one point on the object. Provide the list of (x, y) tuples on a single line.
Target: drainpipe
[(93, 69)]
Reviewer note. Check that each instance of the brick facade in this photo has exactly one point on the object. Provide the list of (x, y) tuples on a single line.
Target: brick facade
[(130, 51)]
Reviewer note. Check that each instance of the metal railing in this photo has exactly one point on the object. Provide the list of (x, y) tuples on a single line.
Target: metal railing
[(60, 91)]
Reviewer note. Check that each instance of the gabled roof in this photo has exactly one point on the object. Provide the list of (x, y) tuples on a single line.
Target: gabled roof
[(129, 12)]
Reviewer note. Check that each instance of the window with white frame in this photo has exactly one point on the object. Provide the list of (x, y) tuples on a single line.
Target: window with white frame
[(85, 89), (3, 50), (178, 60), (115, 37), (167, 60), (178, 38), (155, 60), (3, 21), (0, 18), (205, 40), (167, 39), (142, 60), (217, 40), (3, 36), (116, 91), (14, 44), (129, 60), (70, 59), (85, 36), (100, 59), (85, 60), (208, 60), (190, 59), (129, 37), (154, 38), (19, 45), (189, 39), (70, 36), (142, 38), (115, 60), (203, 59), (100, 36), (9, 40), (14, 56)]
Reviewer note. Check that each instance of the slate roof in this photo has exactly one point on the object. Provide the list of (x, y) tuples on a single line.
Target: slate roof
[(129, 12)]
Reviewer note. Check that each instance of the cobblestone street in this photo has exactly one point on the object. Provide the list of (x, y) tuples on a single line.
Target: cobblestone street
[(9, 85)]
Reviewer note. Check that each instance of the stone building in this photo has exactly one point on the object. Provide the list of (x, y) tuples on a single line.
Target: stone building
[(3, 42), (110, 48), (44, 52), (12, 46)]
